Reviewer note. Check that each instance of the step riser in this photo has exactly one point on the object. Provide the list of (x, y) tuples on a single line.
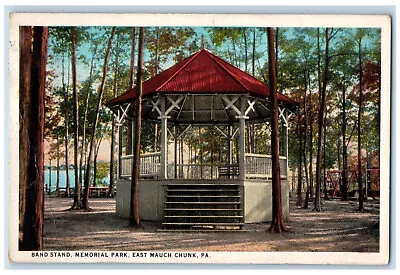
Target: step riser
[(203, 220), (203, 199), (226, 212), (210, 227), (202, 206)]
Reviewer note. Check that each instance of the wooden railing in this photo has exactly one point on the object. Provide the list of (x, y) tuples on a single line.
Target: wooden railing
[(260, 166), (149, 165), (193, 171), (257, 166)]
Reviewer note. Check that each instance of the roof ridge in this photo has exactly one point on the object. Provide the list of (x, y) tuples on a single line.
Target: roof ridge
[(190, 59), (215, 58)]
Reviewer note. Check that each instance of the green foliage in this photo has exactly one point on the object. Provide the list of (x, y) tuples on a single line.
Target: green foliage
[(102, 172)]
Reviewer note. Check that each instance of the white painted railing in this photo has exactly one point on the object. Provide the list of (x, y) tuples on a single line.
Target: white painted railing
[(260, 166), (193, 171), (257, 166), (149, 165)]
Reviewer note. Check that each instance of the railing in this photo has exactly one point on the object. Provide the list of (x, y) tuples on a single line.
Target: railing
[(257, 166), (193, 171), (260, 166), (149, 165)]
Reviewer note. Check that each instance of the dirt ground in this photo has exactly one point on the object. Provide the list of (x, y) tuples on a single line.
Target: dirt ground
[(338, 228)]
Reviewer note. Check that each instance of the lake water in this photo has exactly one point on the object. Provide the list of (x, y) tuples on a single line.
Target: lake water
[(63, 180)]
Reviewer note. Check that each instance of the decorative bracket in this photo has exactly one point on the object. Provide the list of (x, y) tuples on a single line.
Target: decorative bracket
[(174, 104), (124, 113), (282, 115), (231, 104), (155, 106), (251, 107)]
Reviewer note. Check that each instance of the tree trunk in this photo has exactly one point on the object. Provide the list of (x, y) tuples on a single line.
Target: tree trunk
[(157, 49), (58, 169), (94, 184), (33, 54), (84, 143), (131, 84), (317, 199), (49, 186), (344, 148), (307, 198), (276, 52), (304, 149), (278, 224), (245, 50), (77, 194), (66, 125), (96, 154), (112, 146), (360, 103), (324, 153), (299, 200), (253, 67), (85, 202), (234, 53), (310, 142), (311, 113), (134, 206)]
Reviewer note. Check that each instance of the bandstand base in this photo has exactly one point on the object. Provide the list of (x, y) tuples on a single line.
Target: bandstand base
[(255, 197)]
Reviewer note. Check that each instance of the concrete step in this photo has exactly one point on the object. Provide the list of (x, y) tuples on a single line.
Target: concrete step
[(202, 190), (203, 202), (202, 230), (203, 209), (201, 196), (206, 217), (215, 224)]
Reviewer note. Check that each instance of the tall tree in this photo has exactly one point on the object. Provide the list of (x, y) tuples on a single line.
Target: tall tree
[(112, 146), (134, 206), (343, 188), (33, 54), (86, 111), (85, 202), (299, 199), (321, 110), (77, 193), (245, 49), (131, 84), (66, 126), (253, 59), (278, 224), (359, 37)]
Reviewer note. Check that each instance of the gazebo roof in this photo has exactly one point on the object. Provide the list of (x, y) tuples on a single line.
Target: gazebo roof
[(202, 73)]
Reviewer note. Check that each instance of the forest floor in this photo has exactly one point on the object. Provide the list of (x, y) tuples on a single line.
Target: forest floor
[(338, 228)]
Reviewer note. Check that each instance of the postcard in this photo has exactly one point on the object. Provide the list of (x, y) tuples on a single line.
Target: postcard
[(199, 138)]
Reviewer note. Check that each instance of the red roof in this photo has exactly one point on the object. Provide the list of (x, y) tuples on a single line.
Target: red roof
[(202, 72)]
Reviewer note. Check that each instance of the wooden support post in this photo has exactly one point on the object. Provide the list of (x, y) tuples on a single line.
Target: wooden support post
[(175, 153), (229, 145), (242, 140), (285, 144), (120, 127), (164, 140)]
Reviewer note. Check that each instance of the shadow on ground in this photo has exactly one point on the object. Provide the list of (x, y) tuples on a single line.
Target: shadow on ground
[(338, 228)]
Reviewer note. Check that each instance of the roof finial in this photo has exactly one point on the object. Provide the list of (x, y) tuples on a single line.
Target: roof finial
[(202, 41)]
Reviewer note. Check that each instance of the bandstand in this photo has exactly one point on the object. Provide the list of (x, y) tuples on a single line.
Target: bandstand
[(202, 91)]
